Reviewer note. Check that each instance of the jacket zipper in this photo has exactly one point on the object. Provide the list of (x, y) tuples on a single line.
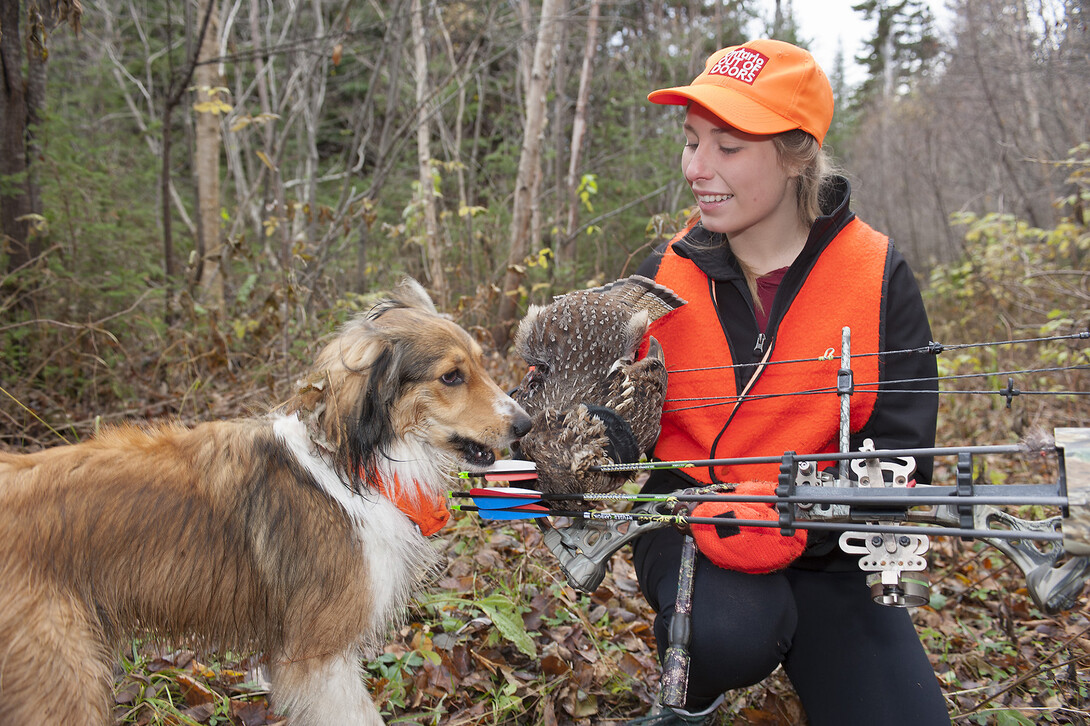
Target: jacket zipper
[(759, 348)]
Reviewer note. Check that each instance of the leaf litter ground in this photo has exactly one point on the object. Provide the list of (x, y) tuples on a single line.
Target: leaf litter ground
[(500, 638)]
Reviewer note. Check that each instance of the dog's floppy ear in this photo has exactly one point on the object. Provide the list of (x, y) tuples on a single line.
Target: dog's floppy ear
[(346, 398), (350, 418), (412, 294), (370, 433)]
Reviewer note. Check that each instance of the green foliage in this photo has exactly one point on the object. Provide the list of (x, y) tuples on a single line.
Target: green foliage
[(506, 616), (13, 184), (1016, 281), (588, 187), (504, 613), (105, 222), (395, 673), (173, 689), (904, 47), (1010, 717)]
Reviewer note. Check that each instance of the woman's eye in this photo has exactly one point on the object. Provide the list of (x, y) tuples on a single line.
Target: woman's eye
[(452, 378)]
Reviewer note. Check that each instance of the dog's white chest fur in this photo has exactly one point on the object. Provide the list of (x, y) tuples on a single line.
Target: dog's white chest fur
[(394, 552)]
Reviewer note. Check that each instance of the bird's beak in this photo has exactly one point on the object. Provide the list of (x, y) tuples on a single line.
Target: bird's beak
[(654, 350)]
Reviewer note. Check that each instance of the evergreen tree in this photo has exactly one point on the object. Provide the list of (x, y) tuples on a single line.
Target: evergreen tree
[(902, 50)]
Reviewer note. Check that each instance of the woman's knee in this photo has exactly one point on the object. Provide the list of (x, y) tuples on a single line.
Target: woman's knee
[(741, 627)]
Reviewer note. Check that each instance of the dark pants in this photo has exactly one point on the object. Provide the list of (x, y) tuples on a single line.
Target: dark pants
[(850, 660)]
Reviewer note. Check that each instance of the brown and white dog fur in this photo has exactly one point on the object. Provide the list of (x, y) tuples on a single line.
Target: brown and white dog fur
[(266, 534)]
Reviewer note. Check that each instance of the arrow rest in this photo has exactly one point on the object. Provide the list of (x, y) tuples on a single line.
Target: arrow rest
[(890, 557)]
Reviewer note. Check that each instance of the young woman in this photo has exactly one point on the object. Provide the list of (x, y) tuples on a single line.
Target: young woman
[(773, 267)]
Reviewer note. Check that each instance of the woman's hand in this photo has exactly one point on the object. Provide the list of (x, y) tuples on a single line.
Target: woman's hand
[(746, 549)]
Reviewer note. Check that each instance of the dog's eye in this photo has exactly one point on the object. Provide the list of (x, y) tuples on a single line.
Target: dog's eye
[(452, 378)]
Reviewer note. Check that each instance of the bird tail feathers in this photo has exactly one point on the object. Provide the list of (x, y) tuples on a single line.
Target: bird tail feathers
[(641, 293)]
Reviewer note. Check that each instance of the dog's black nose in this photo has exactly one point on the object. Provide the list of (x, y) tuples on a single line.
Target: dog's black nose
[(521, 424)]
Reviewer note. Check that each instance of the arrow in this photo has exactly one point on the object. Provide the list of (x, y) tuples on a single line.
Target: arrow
[(523, 511), (486, 498), (505, 470), (534, 511), (501, 497)]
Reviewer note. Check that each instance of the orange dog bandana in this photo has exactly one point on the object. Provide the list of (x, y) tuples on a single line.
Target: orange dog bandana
[(428, 511)]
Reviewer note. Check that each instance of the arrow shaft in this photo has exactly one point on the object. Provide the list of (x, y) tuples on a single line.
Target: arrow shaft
[(899, 497)]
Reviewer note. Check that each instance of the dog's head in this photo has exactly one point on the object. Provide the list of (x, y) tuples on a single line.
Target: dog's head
[(403, 386)]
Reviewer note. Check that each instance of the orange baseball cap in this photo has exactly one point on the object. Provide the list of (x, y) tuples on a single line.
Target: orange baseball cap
[(760, 87)]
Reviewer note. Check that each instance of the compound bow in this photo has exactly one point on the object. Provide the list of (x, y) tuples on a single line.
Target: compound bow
[(883, 516)]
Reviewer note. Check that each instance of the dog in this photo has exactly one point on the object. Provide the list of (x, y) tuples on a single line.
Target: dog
[(279, 534)]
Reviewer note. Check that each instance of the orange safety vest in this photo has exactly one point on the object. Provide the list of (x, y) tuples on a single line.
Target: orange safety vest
[(845, 288)]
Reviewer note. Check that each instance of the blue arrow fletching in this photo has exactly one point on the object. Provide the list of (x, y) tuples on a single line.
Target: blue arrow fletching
[(504, 498), (512, 513)]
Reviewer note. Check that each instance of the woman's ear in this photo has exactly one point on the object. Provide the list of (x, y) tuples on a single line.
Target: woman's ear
[(792, 167)]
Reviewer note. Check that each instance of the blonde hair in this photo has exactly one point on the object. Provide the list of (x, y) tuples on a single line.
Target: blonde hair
[(797, 150)]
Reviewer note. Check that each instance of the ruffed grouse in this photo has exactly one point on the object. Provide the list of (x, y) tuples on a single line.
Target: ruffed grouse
[(590, 400)]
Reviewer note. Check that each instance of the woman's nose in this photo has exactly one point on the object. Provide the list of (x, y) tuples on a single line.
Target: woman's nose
[(694, 164)]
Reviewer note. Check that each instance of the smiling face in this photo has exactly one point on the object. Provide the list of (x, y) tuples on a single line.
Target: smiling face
[(740, 185)]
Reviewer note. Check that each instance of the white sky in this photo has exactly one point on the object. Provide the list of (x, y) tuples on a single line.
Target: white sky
[(831, 24)]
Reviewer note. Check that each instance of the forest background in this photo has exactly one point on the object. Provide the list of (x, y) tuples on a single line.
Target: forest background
[(193, 193)]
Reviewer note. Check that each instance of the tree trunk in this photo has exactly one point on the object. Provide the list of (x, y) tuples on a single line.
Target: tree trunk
[(529, 159), (578, 130), (209, 275), (432, 245), (15, 192), (175, 94)]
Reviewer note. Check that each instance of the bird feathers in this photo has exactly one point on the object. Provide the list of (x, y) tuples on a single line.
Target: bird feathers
[(591, 401)]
